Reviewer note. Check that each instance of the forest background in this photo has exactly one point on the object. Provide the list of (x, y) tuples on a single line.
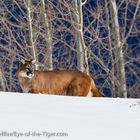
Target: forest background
[(98, 37)]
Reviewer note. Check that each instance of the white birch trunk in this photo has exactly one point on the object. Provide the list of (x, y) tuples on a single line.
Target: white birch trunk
[(2, 85), (119, 52), (31, 40), (48, 62), (81, 47), (112, 72)]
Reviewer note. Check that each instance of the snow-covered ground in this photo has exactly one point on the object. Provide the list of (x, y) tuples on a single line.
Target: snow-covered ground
[(42, 117)]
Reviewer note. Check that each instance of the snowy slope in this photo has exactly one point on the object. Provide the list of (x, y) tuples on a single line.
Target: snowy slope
[(34, 117)]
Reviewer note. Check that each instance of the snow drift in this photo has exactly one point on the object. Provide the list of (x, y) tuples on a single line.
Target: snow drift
[(30, 116)]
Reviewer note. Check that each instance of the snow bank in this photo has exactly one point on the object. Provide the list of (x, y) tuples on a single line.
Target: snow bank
[(41, 117)]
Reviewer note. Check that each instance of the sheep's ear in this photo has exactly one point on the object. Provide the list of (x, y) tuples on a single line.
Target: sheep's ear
[(33, 61), (23, 61)]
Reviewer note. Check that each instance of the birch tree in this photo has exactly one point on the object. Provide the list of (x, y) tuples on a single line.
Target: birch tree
[(2, 84), (48, 61), (118, 44), (30, 18), (116, 41), (98, 37), (108, 34), (81, 47)]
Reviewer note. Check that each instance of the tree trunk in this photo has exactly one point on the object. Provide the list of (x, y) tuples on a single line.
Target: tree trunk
[(2, 85), (31, 40), (82, 60), (116, 41), (48, 63), (112, 71)]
